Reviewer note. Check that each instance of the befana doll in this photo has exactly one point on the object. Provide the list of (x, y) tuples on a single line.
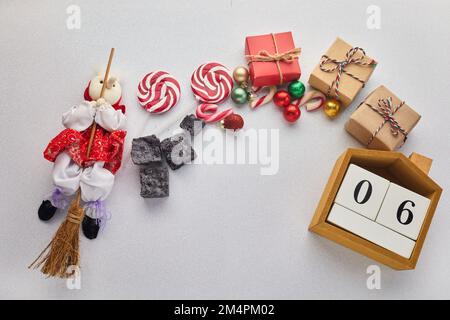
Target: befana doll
[(86, 156), (73, 169)]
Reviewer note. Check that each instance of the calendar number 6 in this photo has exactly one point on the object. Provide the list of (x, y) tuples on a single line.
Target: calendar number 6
[(401, 210)]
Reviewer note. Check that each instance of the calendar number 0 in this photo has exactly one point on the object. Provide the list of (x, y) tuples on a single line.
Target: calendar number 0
[(366, 197), (401, 210)]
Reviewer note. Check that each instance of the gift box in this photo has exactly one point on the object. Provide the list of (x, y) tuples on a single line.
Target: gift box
[(382, 121), (342, 72), (272, 59)]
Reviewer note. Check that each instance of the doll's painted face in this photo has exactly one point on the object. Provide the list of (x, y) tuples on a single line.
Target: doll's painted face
[(113, 90)]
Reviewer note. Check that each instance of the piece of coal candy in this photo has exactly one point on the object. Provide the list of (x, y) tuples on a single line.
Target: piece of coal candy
[(146, 150), (192, 124), (154, 182), (177, 150)]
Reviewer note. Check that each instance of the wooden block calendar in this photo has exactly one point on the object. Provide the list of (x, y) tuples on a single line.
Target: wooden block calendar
[(380, 204)]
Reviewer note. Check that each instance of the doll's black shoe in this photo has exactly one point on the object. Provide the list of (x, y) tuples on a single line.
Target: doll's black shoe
[(90, 227), (46, 210)]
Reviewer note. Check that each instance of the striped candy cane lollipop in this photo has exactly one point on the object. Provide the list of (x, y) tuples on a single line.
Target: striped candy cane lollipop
[(158, 92), (211, 83), (264, 99), (312, 100), (208, 113)]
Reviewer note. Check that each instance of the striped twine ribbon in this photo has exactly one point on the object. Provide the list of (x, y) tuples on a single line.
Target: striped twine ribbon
[(330, 65), (386, 110)]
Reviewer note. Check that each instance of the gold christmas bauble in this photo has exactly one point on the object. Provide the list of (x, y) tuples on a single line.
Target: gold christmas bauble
[(331, 107), (240, 74)]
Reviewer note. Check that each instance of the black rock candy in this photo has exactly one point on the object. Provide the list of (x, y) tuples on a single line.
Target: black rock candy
[(146, 150), (154, 182)]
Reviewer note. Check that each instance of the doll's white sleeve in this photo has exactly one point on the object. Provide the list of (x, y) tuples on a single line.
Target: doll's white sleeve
[(79, 117), (109, 118)]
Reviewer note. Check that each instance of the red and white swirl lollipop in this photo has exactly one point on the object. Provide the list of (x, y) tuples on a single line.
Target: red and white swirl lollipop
[(211, 83), (158, 92)]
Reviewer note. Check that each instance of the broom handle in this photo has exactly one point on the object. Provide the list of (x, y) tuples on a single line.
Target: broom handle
[(94, 124), (102, 92)]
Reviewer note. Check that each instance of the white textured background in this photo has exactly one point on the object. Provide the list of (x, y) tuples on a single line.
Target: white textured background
[(225, 231)]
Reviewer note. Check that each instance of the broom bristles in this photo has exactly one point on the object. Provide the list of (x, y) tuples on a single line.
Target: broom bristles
[(63, 250)]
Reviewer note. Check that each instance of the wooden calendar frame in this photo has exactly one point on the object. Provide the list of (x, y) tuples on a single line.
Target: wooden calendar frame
[(411, 173)]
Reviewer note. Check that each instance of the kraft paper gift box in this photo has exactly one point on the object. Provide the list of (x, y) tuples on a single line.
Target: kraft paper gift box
[(357, 69), (380, 124), (273, 59)]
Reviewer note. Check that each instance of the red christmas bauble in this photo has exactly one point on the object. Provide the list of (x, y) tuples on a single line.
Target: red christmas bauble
[(282, 98), (291, 113), (233, 121)]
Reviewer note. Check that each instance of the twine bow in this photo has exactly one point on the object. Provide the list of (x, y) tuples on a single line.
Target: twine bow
[(386, 110), (264, 56), (351, 57)]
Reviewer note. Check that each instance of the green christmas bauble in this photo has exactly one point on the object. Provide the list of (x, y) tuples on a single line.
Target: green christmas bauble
[(296, 89), (239, 95)]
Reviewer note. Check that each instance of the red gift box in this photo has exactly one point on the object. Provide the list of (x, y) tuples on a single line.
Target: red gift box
[(273, 59)]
